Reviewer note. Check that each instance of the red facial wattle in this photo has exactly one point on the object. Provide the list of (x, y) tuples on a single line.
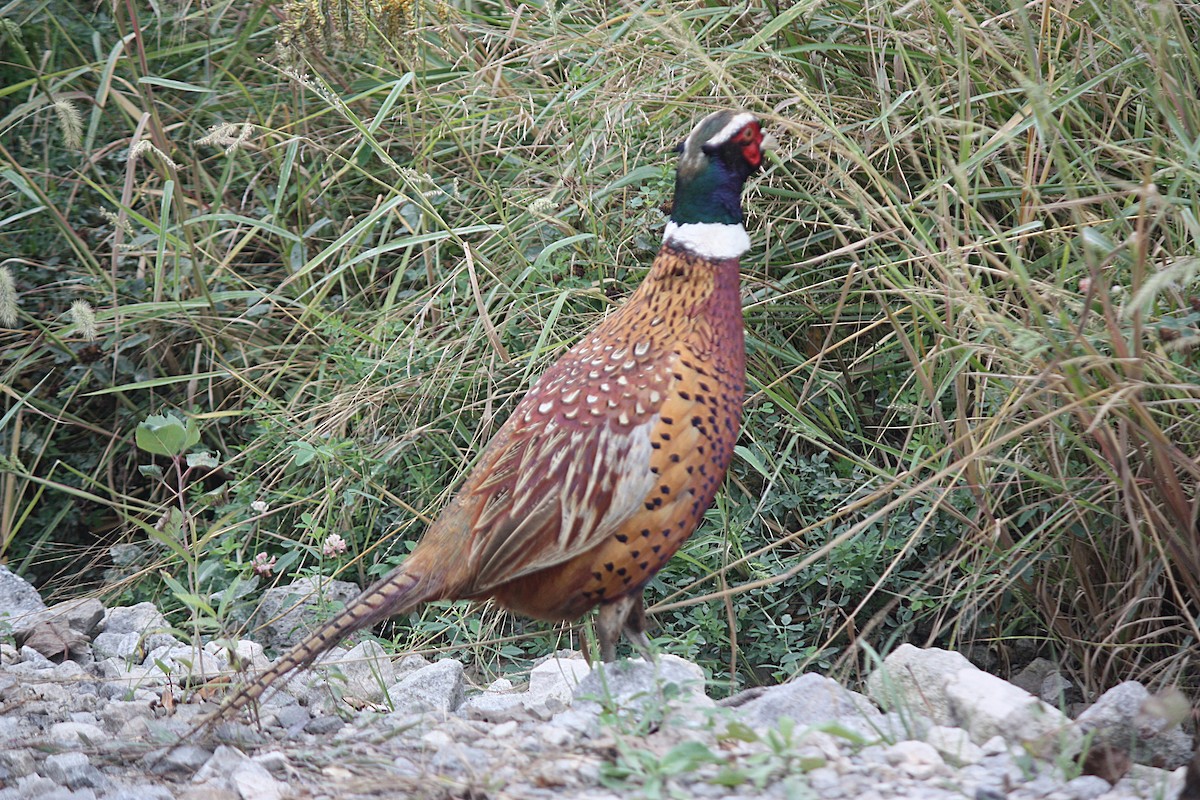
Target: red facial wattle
[(750, 138)]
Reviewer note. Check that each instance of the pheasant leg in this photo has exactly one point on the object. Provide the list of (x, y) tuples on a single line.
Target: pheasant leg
[(626, 614)]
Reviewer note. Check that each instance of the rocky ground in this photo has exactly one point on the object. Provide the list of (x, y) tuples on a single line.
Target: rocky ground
[(86, 707)]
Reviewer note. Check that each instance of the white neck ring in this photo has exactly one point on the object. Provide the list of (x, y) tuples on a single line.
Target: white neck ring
[(713, 240)]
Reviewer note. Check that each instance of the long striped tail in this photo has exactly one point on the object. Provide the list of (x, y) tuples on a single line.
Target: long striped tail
[(395, 593)]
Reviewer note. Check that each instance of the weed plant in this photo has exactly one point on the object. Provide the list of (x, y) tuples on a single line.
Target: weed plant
[(343, 240)]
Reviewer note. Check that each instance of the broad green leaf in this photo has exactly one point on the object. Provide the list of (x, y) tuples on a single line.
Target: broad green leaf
[(167, 434), (202, 460), (304, 451)]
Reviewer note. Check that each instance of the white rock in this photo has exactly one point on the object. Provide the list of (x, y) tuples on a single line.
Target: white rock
[(180, 760), (503, 730), (220, 765), (143, 791), (17, 597), (31, 786), (369, 672), (554, 736), (916, 759), (1118, 718), (247, 655), (252, 781), (287, 614), (73, 770), (436, 739), (553, 682), (896, 726), (410, 663), (11, 730), (810, 699), (987, 706), (631, 681), (275, 762), (34, 659), (81, 614), (75, 734), (16, 761), (437, 688), (129, 631), (954, 745), (671, 688), (824, 781), (493, 706), (1054, 689), (360, 673), (459, 757), (497, 703), (310, 686), (183, 663), (142, 619), (912, 679), (136, 728), (819, 744), (1086, 787), (68, 671), (116, 644), (994, 746)]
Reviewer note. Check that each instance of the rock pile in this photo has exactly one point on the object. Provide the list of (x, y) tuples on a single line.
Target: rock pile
[(88, 701)]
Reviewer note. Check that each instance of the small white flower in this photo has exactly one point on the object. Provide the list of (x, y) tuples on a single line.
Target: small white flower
[(334, 545), (259, 506), (264, 564)]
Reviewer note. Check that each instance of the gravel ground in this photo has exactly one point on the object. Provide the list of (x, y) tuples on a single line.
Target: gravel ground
[(93, 720)]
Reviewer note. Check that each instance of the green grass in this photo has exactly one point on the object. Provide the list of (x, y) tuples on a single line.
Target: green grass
[(971, 305)]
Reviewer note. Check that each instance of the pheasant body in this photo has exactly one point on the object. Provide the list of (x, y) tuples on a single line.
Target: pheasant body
[(610, 461), (670, 364)]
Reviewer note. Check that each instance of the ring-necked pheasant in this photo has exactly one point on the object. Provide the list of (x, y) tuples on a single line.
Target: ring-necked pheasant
[(608, 464)]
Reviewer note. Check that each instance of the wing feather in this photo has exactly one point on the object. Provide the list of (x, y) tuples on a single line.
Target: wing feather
[(559, 483)]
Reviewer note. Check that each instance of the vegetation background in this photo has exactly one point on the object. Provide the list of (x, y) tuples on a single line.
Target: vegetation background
[(339, 241)]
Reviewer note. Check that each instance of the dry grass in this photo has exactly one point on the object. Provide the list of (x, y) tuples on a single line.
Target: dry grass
[(971, 303)]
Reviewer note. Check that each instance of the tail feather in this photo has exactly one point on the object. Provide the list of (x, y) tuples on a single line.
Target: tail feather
[(393, 594)]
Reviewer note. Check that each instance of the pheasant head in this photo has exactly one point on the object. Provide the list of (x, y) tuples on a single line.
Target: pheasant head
[(717, 157)]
